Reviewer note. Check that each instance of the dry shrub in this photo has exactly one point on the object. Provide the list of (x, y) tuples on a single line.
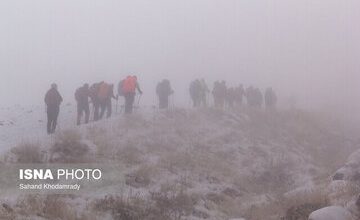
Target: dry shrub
[(301, 205), (68, 136), (269, 211), (274, 177), (99, 136), (140, 177), (134, 121), (170, 203), (214, 166), (230, 207), (130, 155), (176, 162), (57, 208), (26, 153), (30, 204), (329, 157), (173, 202), (157, 143), (294, 207), (124, 207), (227, 202), (216, 198), (95, 132), (7, 212), (47, 206), (199, 162), (68, 148)]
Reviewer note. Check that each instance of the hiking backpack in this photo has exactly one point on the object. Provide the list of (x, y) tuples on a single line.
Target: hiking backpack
[(129, 85), (103, 90)]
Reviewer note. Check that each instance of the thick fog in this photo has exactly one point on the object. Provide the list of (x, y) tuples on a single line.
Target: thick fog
[(306, 49)]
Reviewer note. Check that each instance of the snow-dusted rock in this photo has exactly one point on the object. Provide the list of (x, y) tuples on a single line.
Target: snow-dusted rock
[(337, 192), (351, 170), (331, 213), (336, 186)]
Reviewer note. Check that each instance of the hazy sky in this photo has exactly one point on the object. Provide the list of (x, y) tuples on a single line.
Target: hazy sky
[(304, 47)]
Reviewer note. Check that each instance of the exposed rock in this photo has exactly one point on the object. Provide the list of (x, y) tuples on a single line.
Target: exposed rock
[(338, 176), (351, 170), (331, 213)]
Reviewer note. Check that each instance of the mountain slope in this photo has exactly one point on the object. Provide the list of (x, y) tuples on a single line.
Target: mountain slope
[(204, 163)]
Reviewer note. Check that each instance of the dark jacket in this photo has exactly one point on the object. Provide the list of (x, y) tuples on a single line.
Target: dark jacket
[(163, 89), (82, 95), (53, 98)]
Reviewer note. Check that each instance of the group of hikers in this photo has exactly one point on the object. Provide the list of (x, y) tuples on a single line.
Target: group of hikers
[(101, 94), (225, 96)]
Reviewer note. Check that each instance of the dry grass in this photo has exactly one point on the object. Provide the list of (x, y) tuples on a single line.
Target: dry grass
[(173, 202), (26, 153), (176, 162), (70, 136), (300, 206), (130, 207), (169, 203), (274, 177), (190, 160), (7, 212), (100, 137), (141, 177), (47, 206), (130, 155), (68, 148), (295, 207)]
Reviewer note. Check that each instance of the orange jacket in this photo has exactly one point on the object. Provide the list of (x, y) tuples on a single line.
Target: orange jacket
[(129, 84)]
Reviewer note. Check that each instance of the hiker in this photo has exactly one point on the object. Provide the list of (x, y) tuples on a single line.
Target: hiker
[(93, 93), (219, 94), (199, 92), (52, 100), (109, 100), (231, 97), (105, 94), (239, 94), (258, 98), (82, 100), (204, 91), (270, 98), (120, 88), (129, 87), (195, 92), (250, 96), (163, 91)]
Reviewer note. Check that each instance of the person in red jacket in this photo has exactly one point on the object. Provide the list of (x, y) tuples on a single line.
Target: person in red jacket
[(52, 100), (129, 87)]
